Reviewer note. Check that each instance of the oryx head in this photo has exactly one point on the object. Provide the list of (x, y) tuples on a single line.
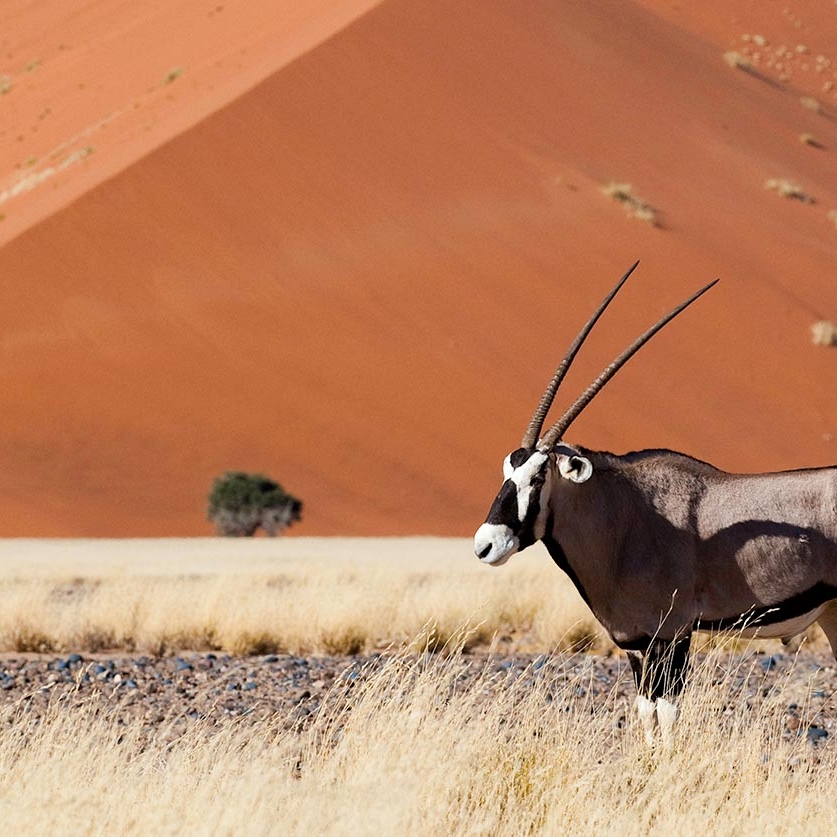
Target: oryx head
[(519, 514)]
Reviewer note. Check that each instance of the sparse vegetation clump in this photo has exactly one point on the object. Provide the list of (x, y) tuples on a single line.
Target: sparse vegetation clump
[(35, 178), (240, 504), (635, 206), (738, 61), (810, 140), (173, 75), (787, 189), (824, 333)]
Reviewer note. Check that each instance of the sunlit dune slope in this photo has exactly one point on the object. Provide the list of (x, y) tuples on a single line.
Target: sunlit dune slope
[(358, 276), (89, 86)]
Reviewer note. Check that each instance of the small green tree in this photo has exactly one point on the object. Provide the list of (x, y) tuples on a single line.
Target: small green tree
[(240, 503)]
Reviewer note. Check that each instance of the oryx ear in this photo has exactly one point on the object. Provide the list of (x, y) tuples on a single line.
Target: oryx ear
[(575, 468)]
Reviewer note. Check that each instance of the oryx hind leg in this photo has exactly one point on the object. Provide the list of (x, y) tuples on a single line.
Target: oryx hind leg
[(660, 674), (827, 620)]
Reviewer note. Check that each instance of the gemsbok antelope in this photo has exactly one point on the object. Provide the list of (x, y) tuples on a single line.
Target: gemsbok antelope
[(659, 544)]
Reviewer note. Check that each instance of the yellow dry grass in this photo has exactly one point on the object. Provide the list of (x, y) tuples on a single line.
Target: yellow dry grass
[(312, 595), (405, 749), (408, 751)]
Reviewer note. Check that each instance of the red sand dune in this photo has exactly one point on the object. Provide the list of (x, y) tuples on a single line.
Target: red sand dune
[(358, 275)]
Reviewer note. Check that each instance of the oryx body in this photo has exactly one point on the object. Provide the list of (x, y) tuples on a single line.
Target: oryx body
[(660, 544)]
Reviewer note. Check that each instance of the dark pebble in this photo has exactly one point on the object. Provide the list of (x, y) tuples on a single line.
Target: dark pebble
[(271, 658), (817, 733), (250, 685), (769, 663)]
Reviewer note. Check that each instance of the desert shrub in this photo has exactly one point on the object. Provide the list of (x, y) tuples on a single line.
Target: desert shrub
[(240, 503), (824, 333)]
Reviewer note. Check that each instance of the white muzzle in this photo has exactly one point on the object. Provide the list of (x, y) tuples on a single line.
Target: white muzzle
[(495, 543)]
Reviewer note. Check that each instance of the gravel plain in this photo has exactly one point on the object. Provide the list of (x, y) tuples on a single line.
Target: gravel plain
[(170, 694)]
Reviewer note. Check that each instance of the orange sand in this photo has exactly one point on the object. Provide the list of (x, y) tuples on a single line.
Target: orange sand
[(358, 274)]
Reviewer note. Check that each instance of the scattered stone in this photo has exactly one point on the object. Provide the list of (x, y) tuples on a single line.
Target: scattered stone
[(769, 663), (169, 696)]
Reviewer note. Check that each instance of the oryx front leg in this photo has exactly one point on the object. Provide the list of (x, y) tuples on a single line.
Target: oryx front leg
[(659, 674), (646, 711)]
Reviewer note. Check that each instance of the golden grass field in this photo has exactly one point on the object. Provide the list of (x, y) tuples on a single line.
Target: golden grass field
[(298, 595), (412, 747)]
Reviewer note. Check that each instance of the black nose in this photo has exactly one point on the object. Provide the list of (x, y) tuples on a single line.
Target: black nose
[(485, 551)]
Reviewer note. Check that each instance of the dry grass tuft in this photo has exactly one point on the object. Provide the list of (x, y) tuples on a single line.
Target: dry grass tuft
[(738, 62), (824, 333), (787, 190), (810, 140), (634, 205)]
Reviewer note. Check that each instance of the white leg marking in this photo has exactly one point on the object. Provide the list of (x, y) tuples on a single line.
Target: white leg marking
[(667, 715), (647, 712)]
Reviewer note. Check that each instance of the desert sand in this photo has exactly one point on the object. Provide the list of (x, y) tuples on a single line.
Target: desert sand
[(346, 244)]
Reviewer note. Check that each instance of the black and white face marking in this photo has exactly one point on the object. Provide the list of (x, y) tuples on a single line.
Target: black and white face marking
[(517, 517)]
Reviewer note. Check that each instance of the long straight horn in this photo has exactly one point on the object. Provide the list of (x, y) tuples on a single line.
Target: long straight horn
[(558, 429), (535, 425)]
